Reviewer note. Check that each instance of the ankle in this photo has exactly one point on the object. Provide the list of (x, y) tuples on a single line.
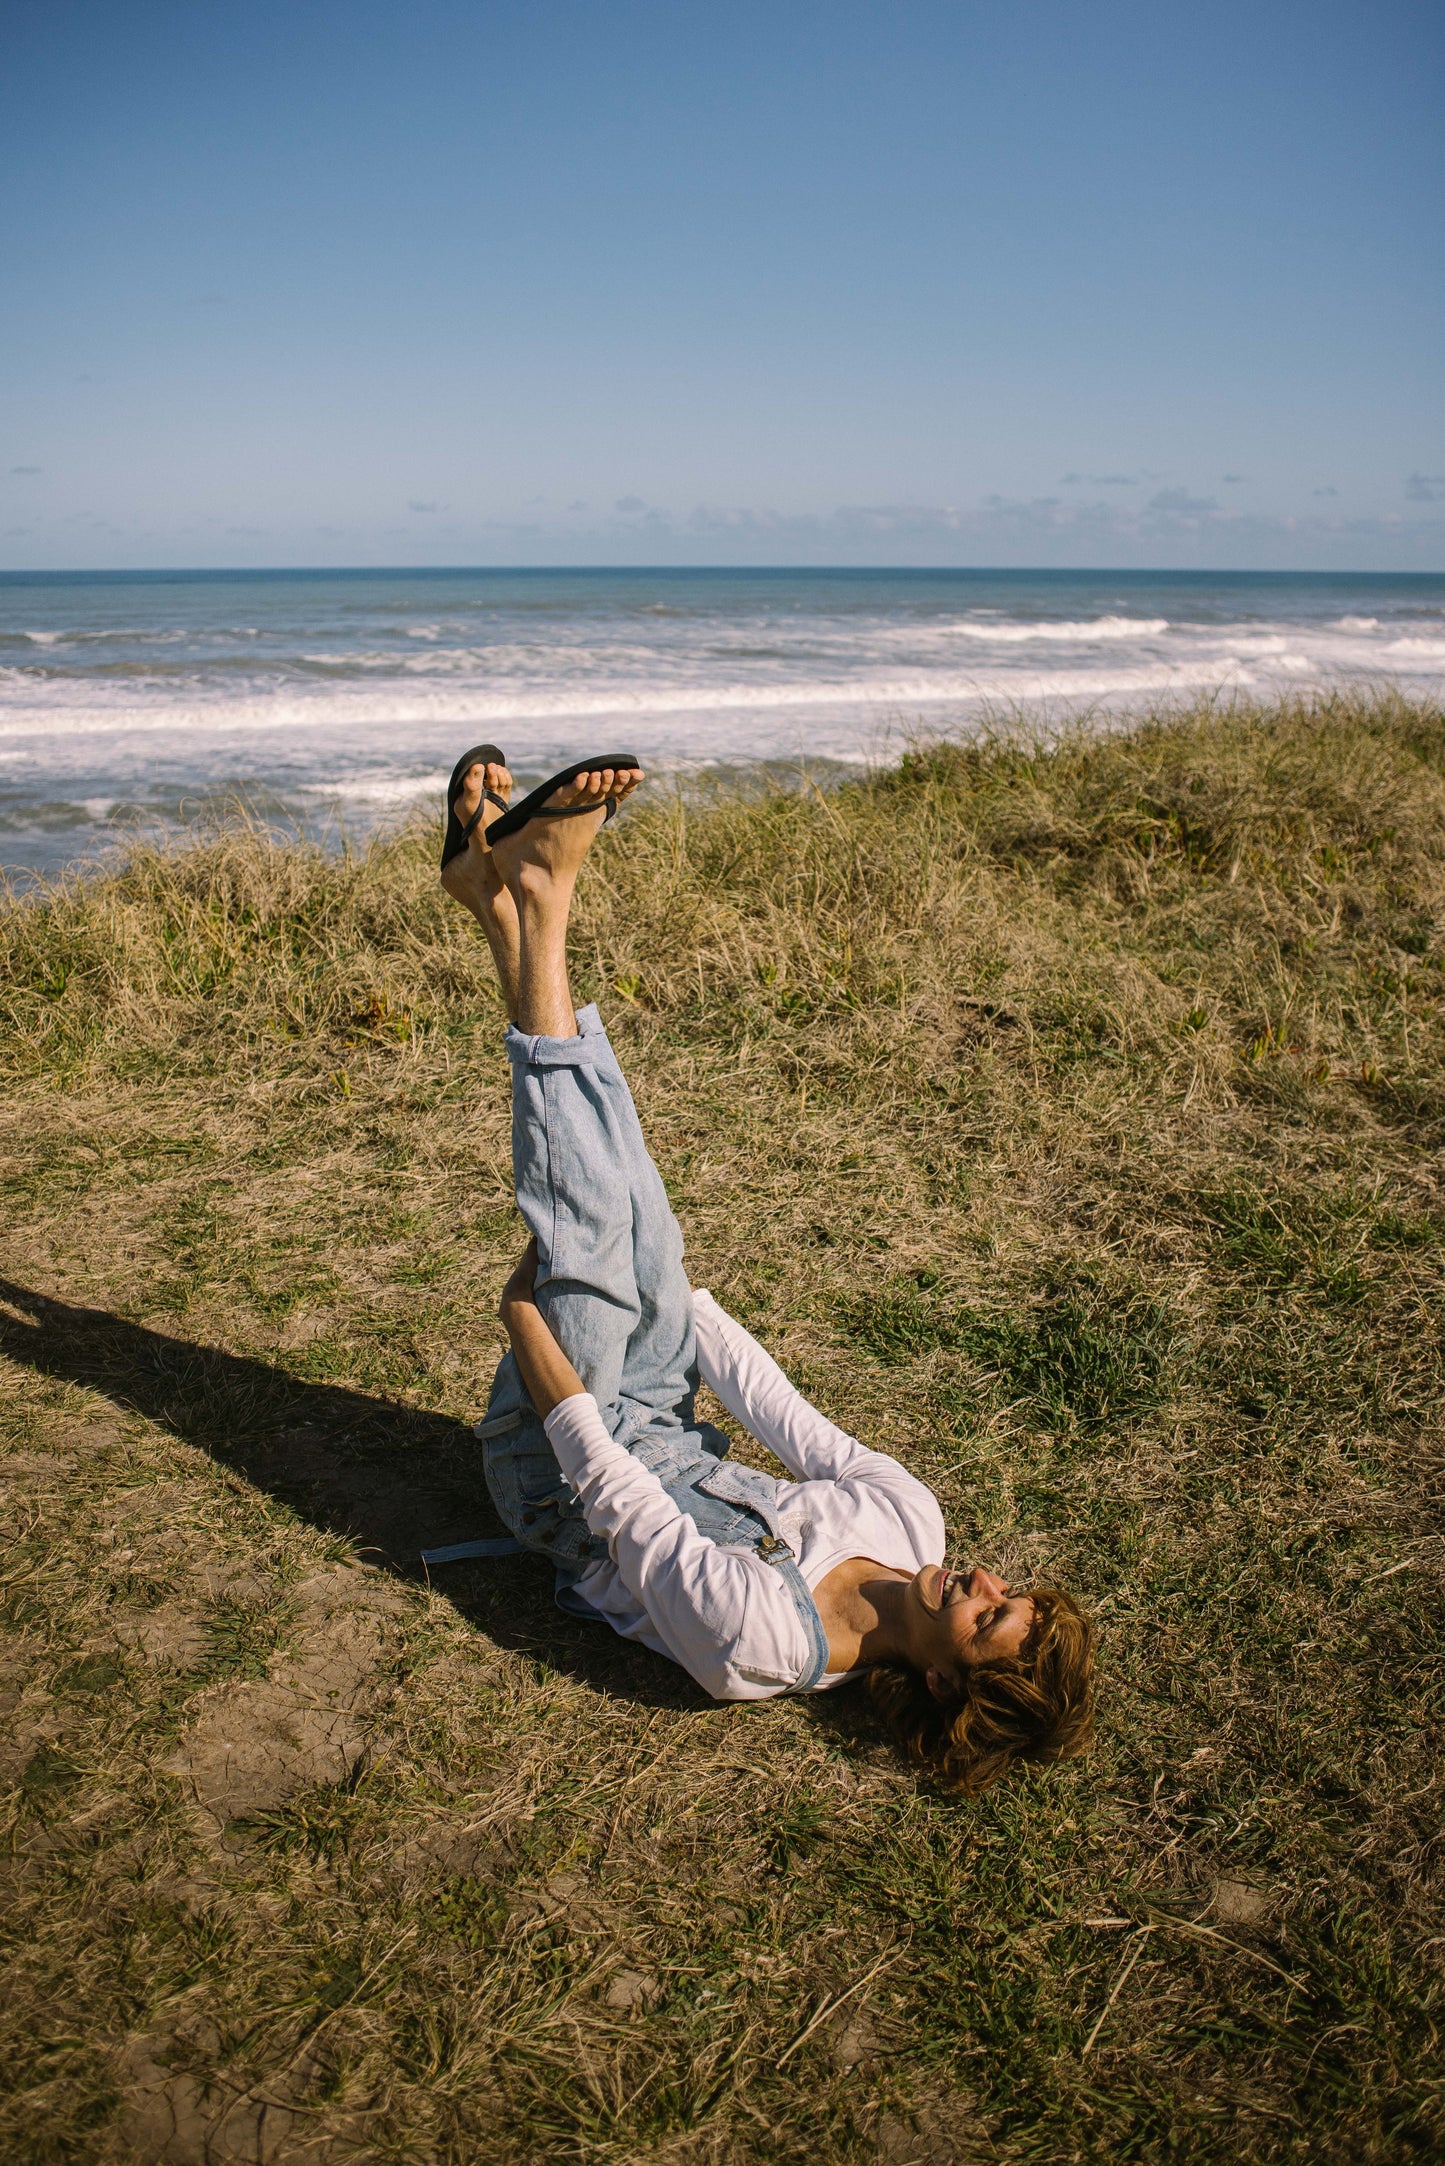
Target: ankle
[(541, 896), (545, 1018)]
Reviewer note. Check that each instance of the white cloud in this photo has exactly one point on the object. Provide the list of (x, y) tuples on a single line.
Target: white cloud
[(1174, 506), (1174, 526)]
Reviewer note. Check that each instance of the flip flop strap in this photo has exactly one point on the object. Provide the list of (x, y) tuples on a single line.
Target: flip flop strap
[(486, 795), (573, 812)]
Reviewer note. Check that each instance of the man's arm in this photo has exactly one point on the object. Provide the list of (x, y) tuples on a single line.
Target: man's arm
[(754, 1389), (547, 1373), (698, 1598)]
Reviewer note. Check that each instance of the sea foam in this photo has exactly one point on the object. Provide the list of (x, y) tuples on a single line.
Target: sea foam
[(357, 690)]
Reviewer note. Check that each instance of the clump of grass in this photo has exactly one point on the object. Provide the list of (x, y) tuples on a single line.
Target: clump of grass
[(1068, 1119), (1081, 1356), (321, 1823)]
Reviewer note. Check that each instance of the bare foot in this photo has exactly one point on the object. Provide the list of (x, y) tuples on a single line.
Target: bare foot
[(547, 853), (472, 878), (540, 866)]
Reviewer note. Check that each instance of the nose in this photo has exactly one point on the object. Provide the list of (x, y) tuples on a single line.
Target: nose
[(987, 1584)]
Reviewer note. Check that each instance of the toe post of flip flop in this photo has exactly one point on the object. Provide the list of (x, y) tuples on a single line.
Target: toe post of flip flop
[(535, 806), (458, 835)]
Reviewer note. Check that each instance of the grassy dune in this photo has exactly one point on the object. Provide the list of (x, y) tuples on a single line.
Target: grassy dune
[(1072, 1124)]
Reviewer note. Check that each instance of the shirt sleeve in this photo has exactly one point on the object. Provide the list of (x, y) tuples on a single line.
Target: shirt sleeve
[(755, 1391), (710, 1607)]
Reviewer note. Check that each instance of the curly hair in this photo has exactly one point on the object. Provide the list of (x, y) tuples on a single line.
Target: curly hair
[(1035, 1705)]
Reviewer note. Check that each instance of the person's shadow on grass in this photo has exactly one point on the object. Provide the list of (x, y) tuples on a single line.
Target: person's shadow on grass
[(389, 1478)]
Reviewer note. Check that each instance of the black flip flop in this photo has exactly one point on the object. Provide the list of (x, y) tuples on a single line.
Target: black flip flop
[(457, 835), (535, 806)]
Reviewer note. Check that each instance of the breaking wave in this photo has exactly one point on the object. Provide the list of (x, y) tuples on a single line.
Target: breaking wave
[(353, 692)]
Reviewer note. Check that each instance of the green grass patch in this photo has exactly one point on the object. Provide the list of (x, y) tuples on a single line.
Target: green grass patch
[(1080, 1356)]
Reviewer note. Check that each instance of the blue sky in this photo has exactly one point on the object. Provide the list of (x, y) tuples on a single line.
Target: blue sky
[(723, 281)]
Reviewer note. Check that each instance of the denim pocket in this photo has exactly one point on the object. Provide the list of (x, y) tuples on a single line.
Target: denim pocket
[(742, 1487)]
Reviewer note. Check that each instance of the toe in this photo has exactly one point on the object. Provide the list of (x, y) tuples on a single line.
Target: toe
[(464, 804)]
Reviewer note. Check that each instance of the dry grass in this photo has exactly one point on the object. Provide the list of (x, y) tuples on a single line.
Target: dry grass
[(1072, 1123)]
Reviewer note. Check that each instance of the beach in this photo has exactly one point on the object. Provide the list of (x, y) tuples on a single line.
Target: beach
[(335, 703)]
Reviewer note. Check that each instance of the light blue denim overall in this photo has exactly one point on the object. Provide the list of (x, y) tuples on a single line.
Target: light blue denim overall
[(611, 1285)]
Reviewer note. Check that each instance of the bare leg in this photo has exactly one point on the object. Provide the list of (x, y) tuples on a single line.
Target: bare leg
[(540, 867), (473, 880)]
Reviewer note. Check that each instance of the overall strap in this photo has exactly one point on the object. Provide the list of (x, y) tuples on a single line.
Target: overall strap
[(753, 1497), (780, 1556)]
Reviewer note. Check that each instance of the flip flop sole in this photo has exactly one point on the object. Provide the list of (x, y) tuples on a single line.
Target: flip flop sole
[(456, 836), (534, 804)]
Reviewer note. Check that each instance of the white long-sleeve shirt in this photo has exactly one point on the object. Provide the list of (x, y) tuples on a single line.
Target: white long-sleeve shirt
[(726, 1615)]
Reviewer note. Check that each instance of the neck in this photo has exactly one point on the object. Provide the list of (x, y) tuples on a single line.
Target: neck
[(882, 1617)]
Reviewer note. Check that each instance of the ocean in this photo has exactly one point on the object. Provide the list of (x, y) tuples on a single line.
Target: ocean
[(335, 702)]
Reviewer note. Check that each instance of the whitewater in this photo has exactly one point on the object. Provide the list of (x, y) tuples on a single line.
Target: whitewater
[(334, 702)]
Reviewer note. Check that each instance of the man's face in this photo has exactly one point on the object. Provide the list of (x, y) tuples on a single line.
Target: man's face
[(972, 1619)]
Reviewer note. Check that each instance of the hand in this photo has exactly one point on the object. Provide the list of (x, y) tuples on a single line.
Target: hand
[(518, 1291)]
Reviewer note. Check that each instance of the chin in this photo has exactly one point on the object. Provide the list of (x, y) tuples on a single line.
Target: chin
[(926, 1581)]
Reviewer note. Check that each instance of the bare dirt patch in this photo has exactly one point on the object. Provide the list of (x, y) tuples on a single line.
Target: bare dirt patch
[(169, 1635), (32, 1466), (174, 2117), (250, 1746)]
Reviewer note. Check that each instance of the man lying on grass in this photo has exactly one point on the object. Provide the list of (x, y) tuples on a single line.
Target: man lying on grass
[(593, 1452)]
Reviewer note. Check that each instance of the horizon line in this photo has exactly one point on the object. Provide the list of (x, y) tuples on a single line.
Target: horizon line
[(1096, 571)]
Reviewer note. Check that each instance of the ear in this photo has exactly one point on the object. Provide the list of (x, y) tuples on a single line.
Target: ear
[(943, 1688)]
